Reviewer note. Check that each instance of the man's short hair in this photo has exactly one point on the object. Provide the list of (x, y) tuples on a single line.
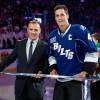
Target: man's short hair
[(34, 21), (61, 7)]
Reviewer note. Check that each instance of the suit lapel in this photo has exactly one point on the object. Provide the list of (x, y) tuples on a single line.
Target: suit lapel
[(24, 51)]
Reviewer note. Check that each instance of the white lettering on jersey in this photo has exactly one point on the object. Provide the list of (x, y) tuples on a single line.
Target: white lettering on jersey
[(70, 55), (89, 37), (62, 52), (55, 46), (82, 27), (67, 53), (69, 37), (59, 48)]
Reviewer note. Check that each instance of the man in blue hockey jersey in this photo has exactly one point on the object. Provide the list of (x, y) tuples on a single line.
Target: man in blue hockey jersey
[(72, 52)]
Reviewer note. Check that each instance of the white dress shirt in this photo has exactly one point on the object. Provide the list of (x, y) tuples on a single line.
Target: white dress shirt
[(28, 46)]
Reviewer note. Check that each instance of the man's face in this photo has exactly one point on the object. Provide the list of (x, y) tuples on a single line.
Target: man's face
[(33, 30), (61, 17)]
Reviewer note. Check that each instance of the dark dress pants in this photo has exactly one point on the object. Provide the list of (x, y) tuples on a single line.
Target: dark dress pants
[(31, 91), (70, 90)]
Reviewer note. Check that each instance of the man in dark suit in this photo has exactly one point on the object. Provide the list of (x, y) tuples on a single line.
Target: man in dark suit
[(27, 88)]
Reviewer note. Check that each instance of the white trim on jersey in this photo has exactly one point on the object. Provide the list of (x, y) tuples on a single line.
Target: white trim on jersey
[(65, 31), (91, 57), (81, 41), (52, 60)]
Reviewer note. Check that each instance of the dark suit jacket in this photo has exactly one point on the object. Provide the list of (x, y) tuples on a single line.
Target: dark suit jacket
[(38, 62)]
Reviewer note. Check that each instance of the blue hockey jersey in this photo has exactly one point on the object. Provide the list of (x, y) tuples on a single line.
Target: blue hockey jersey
[(71, 50)]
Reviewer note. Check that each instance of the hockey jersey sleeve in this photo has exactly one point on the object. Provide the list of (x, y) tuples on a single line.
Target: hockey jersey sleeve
[(51, 59), (85, 39)]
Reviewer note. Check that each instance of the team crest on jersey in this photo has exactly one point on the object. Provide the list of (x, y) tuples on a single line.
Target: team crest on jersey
[(53, 39)]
